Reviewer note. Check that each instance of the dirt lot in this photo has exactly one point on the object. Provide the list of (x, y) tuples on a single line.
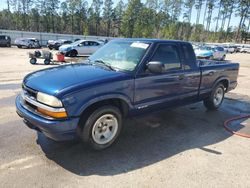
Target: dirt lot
[(182, 147)]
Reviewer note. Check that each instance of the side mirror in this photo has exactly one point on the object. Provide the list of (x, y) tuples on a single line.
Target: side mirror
[(155, 67)]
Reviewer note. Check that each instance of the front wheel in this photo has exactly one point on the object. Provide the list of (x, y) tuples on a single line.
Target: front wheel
[(216, 97), (102, 127), (73, 53)]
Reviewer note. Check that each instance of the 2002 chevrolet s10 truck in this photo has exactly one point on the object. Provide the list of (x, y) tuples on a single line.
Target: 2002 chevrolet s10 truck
[(125, 77)]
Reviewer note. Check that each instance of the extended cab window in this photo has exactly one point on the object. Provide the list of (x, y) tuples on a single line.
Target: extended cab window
[(190, 59), (168, 55)]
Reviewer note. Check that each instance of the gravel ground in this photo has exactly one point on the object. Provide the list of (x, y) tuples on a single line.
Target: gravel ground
[(181, 147)]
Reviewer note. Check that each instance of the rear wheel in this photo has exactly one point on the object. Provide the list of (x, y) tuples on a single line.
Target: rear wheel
[(102, 127), (216, 97)]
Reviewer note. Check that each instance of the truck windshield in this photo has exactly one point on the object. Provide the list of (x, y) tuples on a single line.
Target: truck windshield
[(123, 55)]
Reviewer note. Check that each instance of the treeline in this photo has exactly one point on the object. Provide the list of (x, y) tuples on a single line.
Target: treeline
[(169, 19)]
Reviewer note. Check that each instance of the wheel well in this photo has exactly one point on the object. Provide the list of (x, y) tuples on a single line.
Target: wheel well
[(225, 83), (119, 103), (74, 50)]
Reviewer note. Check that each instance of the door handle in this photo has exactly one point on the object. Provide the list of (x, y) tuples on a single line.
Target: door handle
[(211, 73), (181, 76)]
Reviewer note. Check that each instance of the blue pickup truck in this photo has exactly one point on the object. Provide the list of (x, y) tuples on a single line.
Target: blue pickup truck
[(124, 78)]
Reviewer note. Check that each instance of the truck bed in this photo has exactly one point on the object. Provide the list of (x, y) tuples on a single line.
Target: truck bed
[(204, 63), (212, 71)]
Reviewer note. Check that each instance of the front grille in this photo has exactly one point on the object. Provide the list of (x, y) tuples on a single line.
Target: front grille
[(30, 92), (30, 105)]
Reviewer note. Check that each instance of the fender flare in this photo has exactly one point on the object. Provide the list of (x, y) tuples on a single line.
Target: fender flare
[(222, 78), (102, 98)]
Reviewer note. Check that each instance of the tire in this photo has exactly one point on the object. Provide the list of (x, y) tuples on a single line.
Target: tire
[(29, 46), (73, 53), (223, 58), (19, 46), (216, 97), (47, 61), (33, 61), (99, 138)]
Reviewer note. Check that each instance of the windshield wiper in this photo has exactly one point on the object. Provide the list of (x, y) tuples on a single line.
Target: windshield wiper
[(103, 63)]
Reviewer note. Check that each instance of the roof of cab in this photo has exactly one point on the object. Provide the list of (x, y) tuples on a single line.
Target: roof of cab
[(150, 40)]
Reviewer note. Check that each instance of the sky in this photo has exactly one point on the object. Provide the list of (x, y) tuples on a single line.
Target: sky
[(234, 21)]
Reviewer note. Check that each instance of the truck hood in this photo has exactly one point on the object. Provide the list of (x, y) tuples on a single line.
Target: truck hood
[(53, 80)]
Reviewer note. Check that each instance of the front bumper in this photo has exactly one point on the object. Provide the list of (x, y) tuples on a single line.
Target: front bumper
[(58, 130)]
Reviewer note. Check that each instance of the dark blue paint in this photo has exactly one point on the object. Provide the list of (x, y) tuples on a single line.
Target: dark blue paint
[(81, 85)]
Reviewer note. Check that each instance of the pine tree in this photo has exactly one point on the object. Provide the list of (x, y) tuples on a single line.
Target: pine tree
[(107, 15)]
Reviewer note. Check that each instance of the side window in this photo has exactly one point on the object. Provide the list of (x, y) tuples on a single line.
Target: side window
[(168, 55), (85, 43), (95, 44), (190, 59)]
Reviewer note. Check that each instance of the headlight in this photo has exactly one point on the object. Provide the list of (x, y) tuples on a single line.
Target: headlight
[(48, 99)]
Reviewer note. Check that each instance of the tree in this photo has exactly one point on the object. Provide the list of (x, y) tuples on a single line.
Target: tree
[(130, 17), (96, 7), (218, 16), (117, 17), (242, 11), (148, 18), (144, 25), (211, 4), (231, 8), (107, 15), (188, 7), (198, 6)]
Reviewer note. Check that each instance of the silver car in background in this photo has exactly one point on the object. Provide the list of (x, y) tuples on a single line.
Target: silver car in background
[(219, 53), (27, 43), (245, 49), (81, 47)]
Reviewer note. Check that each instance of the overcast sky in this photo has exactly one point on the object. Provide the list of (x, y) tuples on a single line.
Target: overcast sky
[(234, 22)]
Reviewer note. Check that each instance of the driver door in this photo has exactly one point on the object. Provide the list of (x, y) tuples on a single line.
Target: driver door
[(162, 88), (83, 48)]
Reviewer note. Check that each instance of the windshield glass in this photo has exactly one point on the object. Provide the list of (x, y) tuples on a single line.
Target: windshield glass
[(124, 55), (77, 42)]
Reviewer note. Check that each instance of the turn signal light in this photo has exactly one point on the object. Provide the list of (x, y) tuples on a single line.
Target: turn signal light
[(52, 114)]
